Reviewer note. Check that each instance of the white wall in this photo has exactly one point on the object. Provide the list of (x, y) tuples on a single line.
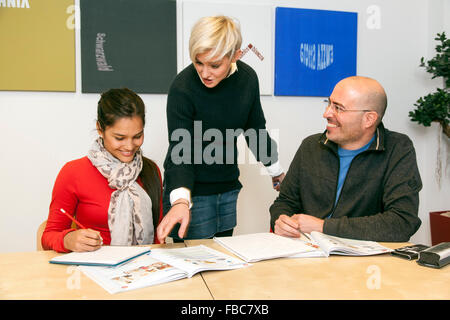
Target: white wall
[(40, 131)]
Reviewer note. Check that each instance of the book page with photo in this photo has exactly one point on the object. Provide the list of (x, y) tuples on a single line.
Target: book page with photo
[(160, 266)]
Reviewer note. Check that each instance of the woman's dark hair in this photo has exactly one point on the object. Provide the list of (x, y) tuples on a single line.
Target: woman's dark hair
[(151, 179), (115, 104)]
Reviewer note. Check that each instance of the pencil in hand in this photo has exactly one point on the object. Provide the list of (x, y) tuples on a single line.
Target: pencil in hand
[(79, 224)]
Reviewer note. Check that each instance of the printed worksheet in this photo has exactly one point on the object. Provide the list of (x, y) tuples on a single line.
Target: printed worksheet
[(142, 272), (198, 258)]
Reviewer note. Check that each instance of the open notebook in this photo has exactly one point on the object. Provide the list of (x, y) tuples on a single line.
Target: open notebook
[(105, 256), (263, 246), (160, 266)]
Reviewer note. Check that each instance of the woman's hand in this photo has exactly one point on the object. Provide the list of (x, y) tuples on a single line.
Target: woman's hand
[(83, 240), (276, 181), (179, 213)]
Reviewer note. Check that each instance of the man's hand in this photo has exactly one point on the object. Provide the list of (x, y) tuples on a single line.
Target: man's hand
[(179, 213), (291, 226), (309, 223), (287, 226)]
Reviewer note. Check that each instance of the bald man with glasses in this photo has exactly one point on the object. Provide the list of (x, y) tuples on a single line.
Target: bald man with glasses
[(356, 180)]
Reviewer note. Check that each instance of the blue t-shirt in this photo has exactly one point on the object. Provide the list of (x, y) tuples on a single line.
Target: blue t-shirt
[(345, 159)]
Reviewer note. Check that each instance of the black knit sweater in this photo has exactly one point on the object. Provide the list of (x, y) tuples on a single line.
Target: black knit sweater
[(199, 119)]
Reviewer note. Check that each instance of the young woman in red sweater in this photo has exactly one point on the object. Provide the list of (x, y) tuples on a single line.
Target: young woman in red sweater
[(114, 191)]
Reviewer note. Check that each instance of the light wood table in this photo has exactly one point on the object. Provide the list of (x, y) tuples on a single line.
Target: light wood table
[(29, 275), (336, 277)]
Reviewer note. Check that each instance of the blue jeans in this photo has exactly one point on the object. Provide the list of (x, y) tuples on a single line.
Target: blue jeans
[(209, 215)]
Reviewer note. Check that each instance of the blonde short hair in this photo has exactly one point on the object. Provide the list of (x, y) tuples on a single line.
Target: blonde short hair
[(219, 34)]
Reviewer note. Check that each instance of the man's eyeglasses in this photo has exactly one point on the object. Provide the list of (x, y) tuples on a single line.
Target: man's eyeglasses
[(336, 108)]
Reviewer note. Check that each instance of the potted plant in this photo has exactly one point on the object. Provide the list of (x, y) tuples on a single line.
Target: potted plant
[(435, 107)]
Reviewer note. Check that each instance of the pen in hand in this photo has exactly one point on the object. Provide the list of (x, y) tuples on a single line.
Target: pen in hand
[(304, 234)]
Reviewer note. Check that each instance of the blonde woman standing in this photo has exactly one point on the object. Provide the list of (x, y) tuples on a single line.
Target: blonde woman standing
[(209, 103)]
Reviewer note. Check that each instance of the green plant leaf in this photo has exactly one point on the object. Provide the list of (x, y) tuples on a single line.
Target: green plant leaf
[(435, 106)]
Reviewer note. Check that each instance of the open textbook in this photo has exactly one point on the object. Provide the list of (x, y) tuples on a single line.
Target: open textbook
[(160, 266), (262, 246)]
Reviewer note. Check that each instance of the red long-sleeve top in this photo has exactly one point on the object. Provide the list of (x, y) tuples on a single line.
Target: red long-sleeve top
[(81, 190)]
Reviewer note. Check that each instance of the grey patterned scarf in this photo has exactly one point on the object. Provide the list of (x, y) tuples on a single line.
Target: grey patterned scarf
[(130, 218)]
